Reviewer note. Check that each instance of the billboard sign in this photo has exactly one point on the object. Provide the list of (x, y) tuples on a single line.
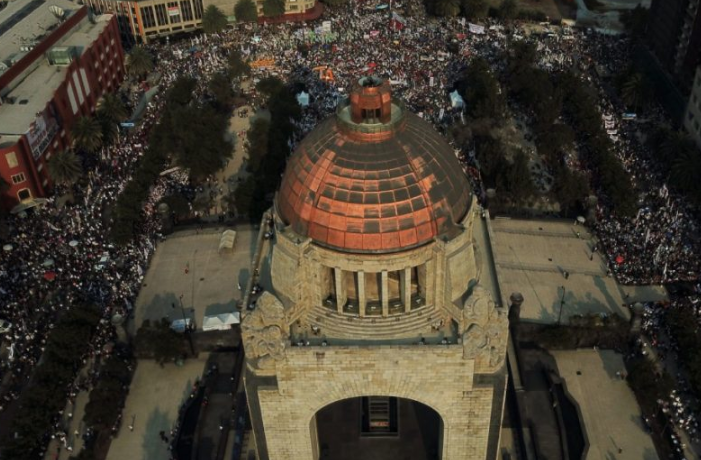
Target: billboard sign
[(40, 133)]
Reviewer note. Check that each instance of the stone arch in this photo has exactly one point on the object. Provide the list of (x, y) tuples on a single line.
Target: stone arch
[(313, 428)]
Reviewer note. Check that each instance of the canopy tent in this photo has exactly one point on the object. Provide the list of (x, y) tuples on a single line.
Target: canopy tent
[(227, 240), (28, 204), (221, 322), (456, 100), (303, 99)]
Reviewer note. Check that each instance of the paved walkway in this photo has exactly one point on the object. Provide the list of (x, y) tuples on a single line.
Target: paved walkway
[(549, 261), (611, 414), (155, 396)]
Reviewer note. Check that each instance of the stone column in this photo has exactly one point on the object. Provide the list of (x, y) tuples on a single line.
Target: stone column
[(405, 288), (341, 293), (385, 293), (362, 301)]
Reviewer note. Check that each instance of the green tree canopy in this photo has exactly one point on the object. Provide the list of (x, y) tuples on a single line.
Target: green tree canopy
[(636, 91), (198, 138), (635, 20), (64, 167), (111, 107), (213, 20), (139, 62), (236, 66), (87, 134), (448, 8), (474, 9), (481, 92), (221, 89), (508, 9), (273, 8), (246, 11)]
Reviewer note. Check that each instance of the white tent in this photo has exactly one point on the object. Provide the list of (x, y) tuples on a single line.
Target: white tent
[(220, 322), (456, 100), (227, 240), (303, 99)]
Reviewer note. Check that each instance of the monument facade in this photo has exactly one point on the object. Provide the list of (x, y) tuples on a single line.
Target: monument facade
[(376, 291)]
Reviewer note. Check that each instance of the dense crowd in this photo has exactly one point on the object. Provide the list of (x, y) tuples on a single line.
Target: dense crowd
[(60, 254)]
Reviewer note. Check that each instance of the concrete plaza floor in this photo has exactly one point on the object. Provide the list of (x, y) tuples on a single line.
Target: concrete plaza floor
[(532, 257), (155, 396), (609, 409), (188, 266)]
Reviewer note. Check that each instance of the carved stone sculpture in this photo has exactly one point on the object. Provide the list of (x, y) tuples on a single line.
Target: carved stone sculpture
[(485, 329), (265, 332)]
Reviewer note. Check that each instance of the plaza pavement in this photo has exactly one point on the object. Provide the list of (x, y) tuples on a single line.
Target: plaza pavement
[(155, 396), (591, 379), (189, 264), (532, 257)]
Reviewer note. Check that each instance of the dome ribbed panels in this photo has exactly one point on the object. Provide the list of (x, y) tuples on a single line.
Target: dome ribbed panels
[(356, 194)]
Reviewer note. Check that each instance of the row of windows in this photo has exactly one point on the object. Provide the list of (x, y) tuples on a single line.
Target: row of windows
[(164, 14)]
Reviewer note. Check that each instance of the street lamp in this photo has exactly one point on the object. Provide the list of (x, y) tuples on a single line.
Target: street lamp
[(562, 304), (185, 325)]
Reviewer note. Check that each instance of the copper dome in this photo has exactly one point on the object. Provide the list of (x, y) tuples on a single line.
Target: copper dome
[(385, 184)]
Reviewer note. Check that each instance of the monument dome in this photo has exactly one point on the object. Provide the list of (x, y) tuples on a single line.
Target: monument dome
[(374, 178)]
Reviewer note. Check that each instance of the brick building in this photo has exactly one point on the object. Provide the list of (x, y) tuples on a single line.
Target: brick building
[(379, 338), (56, 61), (144, 20)]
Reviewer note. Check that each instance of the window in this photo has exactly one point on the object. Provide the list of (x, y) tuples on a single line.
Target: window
[(11, 160), (18, 178), (148, 17), (161, 15), (198, 8), (24, 194), (186, 10)]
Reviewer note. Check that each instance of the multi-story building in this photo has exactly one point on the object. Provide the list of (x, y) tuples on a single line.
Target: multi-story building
[(143, 20), (692, 119), (675, 38), (56, 61)]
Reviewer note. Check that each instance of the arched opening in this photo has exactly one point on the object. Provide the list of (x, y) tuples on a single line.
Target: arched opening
[(377, 428)]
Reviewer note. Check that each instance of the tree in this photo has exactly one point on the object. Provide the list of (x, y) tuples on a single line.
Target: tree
[(635, 20), (508, 9), (64, 167), (269, 86), (236, 66), (273, 8), (474, 9), (111, 107), (635, 91), (481, 92), (139, 62), (570, 189), (516, 180), (221, 90), (448, 8), (246, 11), (686, 169), (213, 20), (87, 134), (198, 137)]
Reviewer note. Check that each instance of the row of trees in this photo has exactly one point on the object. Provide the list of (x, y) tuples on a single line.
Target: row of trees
[(88, 134), (479, 9), (268, 149), (551, 99), (684, 328), (158, 341), (45, 395), (190, 133)]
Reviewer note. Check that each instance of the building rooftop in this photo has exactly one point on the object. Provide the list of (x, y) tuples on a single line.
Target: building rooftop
[(25, 22), (37, 88)]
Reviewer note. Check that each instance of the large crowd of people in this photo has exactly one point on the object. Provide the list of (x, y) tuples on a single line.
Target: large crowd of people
[(60, 254)]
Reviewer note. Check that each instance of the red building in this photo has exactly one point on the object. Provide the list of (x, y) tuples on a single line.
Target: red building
[(56, 62)]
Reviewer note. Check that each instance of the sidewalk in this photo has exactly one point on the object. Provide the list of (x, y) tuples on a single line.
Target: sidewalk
[(74, 428)]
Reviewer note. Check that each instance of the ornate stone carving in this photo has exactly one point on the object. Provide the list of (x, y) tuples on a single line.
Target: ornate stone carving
[(484, 329), (265, 332)]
